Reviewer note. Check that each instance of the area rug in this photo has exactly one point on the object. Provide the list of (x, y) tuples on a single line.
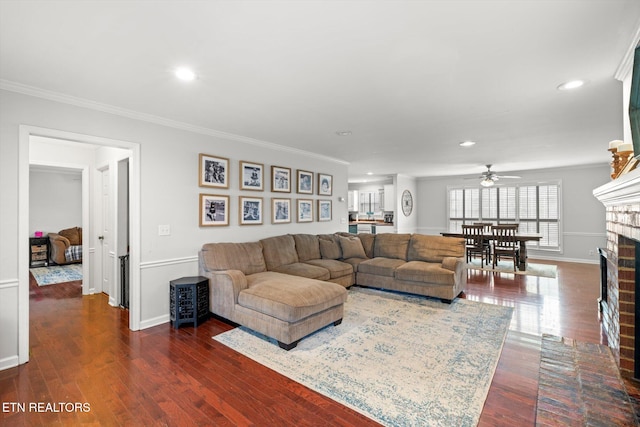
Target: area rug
[(579, 384), (57, 274), (541, 270), (400, 360)]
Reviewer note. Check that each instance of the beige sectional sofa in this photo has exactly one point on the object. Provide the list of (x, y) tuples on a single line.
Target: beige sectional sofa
[(289, 286)]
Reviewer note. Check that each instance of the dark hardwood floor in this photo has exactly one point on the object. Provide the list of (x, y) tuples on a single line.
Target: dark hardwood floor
[(82, 352)]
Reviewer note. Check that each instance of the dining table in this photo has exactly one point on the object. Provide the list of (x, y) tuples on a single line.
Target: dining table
[(522, 239)]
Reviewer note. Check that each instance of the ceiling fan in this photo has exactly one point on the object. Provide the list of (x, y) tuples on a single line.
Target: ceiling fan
[(489, 178)]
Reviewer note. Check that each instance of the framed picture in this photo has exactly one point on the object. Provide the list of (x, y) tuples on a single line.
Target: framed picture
[(324, 210), (251, 176), (214, 210), (305, 182), (305, 210), (280, 179), (280, 211), (250, 210), (214, 171), (325, 184)]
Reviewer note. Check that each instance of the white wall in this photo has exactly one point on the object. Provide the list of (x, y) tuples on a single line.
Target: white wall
[(583, 217), (169, 195), (55, 200)]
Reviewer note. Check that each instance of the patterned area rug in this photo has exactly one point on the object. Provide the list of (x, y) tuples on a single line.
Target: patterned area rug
[(57, 274), (401, 360), (542, 270)]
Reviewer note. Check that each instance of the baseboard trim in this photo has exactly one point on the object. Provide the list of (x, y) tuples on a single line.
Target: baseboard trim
[(150, 323), (576, 260), (9, 362)]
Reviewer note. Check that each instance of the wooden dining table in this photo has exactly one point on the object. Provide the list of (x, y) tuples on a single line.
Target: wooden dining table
[(522, 239)]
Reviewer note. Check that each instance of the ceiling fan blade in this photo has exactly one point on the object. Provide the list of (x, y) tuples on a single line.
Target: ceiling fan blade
[(509, 176)]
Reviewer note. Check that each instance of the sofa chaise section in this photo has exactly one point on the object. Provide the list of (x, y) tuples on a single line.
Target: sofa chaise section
[(282, 306)]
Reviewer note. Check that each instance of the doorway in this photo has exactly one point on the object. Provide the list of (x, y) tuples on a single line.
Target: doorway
[(103, 147)]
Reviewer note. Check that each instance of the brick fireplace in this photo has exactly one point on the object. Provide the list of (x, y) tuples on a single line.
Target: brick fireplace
[(621, 198)]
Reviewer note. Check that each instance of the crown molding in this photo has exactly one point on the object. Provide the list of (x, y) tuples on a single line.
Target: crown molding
[(136, 115), (624, 69)]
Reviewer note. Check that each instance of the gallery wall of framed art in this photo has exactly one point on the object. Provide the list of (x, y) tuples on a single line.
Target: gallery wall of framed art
[(217, 210)]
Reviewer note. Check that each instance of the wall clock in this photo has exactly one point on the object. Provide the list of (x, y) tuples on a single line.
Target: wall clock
[(407, 202)]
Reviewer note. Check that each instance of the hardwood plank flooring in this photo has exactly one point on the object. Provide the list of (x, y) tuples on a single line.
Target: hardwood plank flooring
[(83, 352)]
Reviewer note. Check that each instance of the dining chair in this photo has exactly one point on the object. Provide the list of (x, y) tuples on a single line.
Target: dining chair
[(505, 244), (486, 226), (475, 243)]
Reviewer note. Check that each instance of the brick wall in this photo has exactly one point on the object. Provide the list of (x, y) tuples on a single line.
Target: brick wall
[(618, 314)]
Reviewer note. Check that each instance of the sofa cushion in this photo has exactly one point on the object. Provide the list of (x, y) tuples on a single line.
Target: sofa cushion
[(380, 266), (367, 240), (307, 246), (246, 257), (434, 248), (290, 298), (302, 269), (336, 268), (420, 271), (351, 247), (390, 245), (329, 246), (279, 250), (73, 234)]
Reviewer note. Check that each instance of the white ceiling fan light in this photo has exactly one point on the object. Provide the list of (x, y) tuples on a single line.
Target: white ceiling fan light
[(489, 177)]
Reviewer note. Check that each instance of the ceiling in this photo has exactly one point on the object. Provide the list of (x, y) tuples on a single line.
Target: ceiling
[(409, 79)]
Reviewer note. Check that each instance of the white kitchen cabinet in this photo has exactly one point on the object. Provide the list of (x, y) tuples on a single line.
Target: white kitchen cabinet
[(352, 201), (389, 198)]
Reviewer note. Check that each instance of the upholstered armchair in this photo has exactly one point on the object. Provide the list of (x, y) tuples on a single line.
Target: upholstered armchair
[(66, 246)]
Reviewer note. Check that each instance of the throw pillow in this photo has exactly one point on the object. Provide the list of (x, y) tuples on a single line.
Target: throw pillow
[(330, 249), (351, 247)]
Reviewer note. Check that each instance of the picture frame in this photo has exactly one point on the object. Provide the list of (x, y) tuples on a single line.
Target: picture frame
[(251, 176), (304, 210), (280, 179), (280, 211), (324, 210), (214, 210), (213, 171), (250, 210), (325, 184), (305, 182)]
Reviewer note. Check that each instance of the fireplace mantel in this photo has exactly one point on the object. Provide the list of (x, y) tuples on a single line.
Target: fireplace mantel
[(624, 190)]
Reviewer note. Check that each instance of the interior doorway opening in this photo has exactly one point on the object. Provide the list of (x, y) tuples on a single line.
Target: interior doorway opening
[(42, 147)]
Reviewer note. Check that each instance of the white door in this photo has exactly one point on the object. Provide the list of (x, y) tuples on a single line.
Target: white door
[(104, 239)]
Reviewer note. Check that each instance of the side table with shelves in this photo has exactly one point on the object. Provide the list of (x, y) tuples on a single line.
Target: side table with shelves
[(188, 300), (38, 252)]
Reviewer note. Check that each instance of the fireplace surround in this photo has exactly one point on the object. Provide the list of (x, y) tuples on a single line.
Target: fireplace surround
[(618, 306)]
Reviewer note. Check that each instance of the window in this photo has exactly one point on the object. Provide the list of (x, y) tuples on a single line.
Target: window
[(535, 207)]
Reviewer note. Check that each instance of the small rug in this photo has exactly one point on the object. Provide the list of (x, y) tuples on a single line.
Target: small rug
[(57, 274), (542, 270), (580, 385), (401, 360)]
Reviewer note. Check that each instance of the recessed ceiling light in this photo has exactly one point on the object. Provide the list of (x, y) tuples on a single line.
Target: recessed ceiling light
[(573, 84), (369, 173), (343, 133), (467, 143), (185, 74)]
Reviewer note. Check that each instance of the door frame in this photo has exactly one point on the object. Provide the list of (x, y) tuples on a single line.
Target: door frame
[(25, 132)]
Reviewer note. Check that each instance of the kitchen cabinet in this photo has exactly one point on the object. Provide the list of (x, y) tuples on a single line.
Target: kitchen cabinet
[(389, 198), (352, 201)]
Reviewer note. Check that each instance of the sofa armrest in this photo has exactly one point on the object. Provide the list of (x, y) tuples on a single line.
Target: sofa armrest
[(224, 289), (452, 263), (57, 245)]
